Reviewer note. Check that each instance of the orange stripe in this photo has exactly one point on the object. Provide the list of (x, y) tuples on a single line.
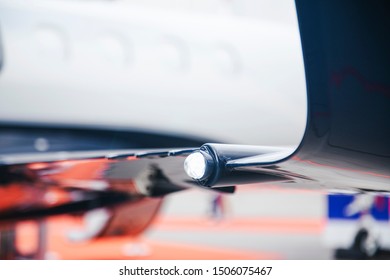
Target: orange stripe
[(278, 225)]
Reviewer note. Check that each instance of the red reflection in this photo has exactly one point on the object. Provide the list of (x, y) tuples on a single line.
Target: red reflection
[(341, 168)]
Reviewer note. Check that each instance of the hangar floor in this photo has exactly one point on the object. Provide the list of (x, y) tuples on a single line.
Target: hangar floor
[(258, 223)]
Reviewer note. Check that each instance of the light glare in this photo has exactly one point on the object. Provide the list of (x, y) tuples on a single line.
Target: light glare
[(195, 165)]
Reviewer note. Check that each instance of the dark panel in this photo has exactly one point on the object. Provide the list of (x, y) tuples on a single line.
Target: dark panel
[(20, 138), (347, 62)]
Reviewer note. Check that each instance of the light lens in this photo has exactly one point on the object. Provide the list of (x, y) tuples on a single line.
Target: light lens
[(195, 165)]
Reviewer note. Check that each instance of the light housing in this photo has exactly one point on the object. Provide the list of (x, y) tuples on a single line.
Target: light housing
[(221, 165)]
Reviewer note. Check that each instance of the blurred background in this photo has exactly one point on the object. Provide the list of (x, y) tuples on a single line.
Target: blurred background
[(230, 71), (220, 70)]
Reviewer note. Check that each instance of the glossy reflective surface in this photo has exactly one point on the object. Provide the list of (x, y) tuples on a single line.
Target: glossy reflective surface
[(71, 186)]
